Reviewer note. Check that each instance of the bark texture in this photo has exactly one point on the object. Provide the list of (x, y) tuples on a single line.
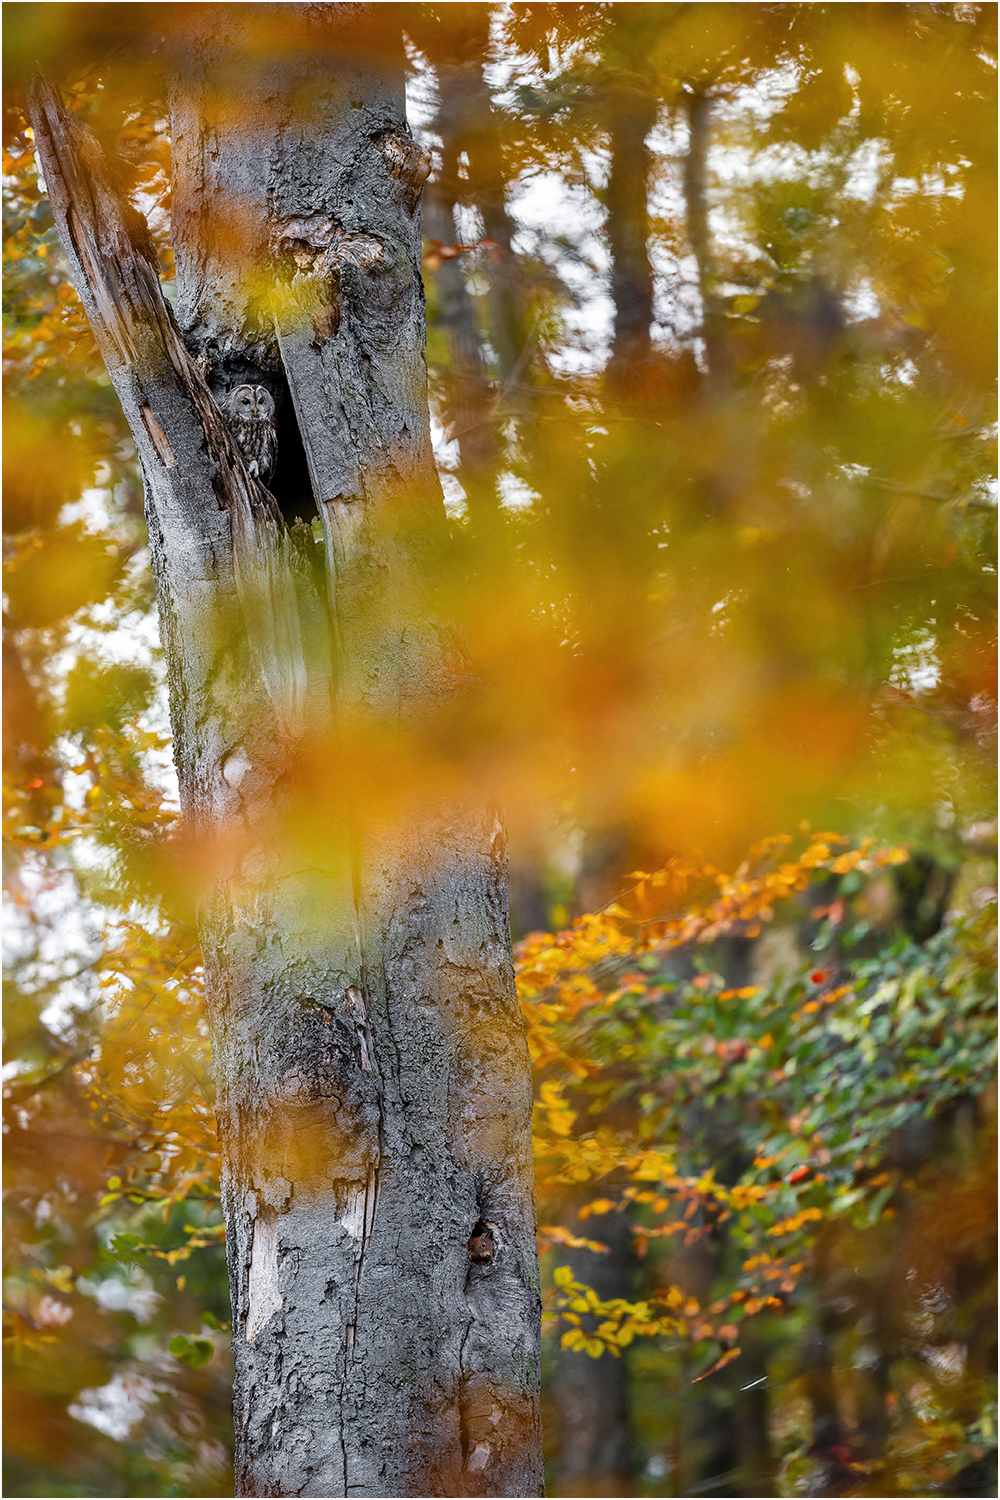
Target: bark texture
[(373, 1084)]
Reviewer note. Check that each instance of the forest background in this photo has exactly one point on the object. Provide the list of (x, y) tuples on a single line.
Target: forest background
[(711, 298)]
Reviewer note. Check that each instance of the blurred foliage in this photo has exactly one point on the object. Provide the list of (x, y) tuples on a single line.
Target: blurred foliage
[(807, 1157), (711, 299)]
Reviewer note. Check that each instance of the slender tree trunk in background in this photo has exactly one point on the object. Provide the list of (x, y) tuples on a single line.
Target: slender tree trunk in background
[(818, 1376), (632, 118), (459, 47), (486, 336), (751, 1410), (590, 1396), (373, 1083), (698, 112), (469, 402)]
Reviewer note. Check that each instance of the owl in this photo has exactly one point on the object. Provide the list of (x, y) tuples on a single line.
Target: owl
[(249, 412)]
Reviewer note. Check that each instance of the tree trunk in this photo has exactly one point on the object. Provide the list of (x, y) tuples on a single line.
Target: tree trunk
[(458, 42), (373, 1085), (697, 106), (591, 1396), (469, 406), (633, 115)]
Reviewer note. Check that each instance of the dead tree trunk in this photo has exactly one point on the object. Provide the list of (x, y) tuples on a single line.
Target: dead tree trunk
[(373, 1086)]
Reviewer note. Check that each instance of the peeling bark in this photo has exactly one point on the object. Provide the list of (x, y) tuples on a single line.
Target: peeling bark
[(373, 1090)]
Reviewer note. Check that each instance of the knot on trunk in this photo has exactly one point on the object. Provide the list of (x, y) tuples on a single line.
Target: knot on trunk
[(311, 255), (408, 162)]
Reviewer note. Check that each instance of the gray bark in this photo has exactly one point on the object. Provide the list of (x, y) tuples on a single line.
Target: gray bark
[(373, 1091)]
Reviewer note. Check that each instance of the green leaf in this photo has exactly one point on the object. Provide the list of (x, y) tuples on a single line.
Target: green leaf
[(201, 1352), (195, 1352)]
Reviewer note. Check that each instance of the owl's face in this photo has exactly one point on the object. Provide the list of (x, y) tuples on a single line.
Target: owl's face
[(253, 403)]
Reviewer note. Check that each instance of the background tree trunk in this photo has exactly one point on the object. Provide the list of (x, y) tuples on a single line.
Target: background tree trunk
[(458, 43), (697, 106), (590, 1396), (632, 117), (373, 1085)]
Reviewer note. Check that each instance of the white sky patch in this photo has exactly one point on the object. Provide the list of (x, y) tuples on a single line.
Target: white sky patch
[(562, 224), (860, 301), (762, 99), (134, 1295), (132, 637), (456, 502), (115, 1408), (508, 65), (421, 94), (917, 663), (110, 637), (92, 509), (446, 458), (867, 166), (162, 771), (677, 301), (52, 938), (515, 494), (470, 231), (903, 372)]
